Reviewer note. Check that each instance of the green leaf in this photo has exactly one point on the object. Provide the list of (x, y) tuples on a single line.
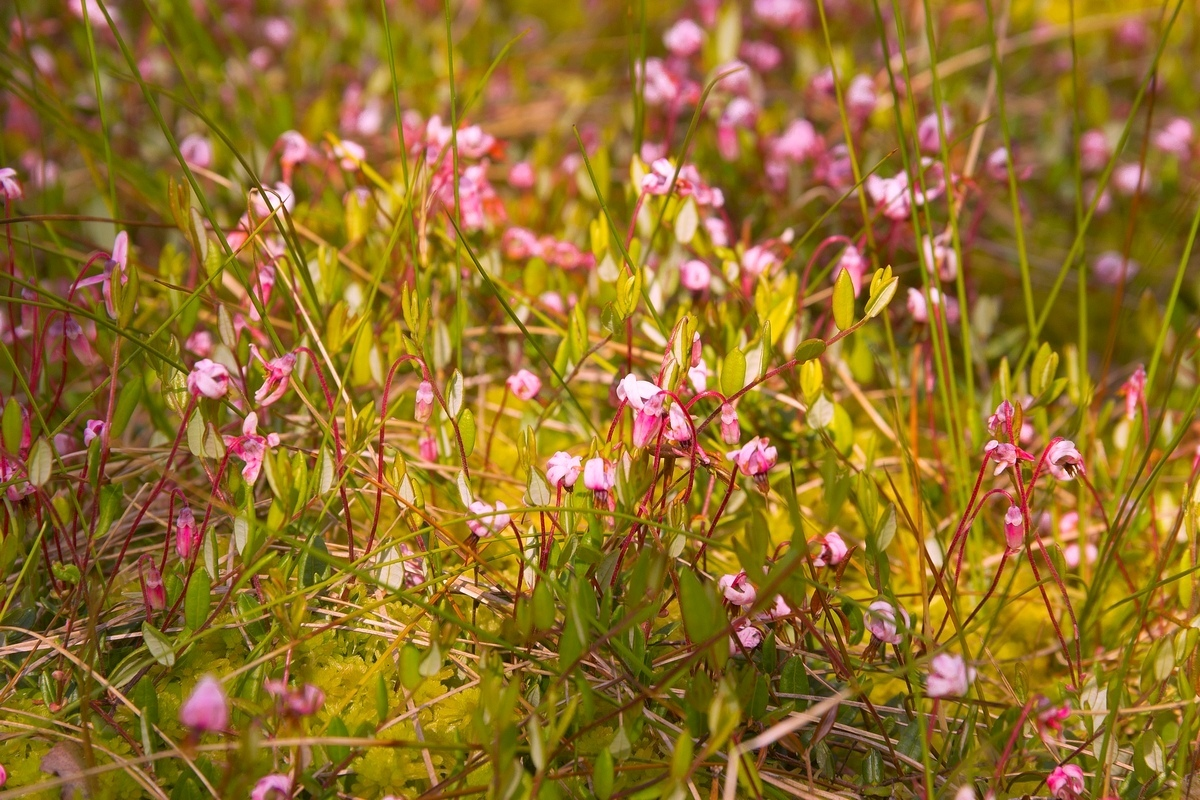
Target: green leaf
[(466, 429), (454, 394), (337, 730), (198, 600), (809, 349), (733, 373), (879, 302), (686, 222), (158, 645), (39, 462), (127, 403), (14, 426), (843, 301), (603, 775)]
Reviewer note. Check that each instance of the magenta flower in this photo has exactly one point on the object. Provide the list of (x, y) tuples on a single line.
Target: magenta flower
[(251, 447), (600, 477), (1000, 421), (756, 457), (1005, 455), (209, 379), (427, 447), (678, 427), (154, 595), (279, 375), (521, 175), (852, 262), (860, 97), (1066, 782), (940, 258), (187, 535), (658, 180), (747, 638), (1094, 151), (13, 476), (491, 519), (520, 244), (636, 392), (890, 196), (66, 329), (293, 150), (1050, 718), (272, 787), (196, 150), (1065, 461), (833, 550), (778, 610), (563, 470), (648, 421), (1014, 528), (684, 38), (763, 56), (3, 775), (695, 275), (206, 709), (92, 430), (757, 261), (524, 384), (739, 114), (880, 620), (786, 14), (116, 264), (424, 402), (949, 676), (737, 589), (1175, 138), (929, 138), (1134, 391), (10, 187), (731, 432), (798, 142), (303, 702)]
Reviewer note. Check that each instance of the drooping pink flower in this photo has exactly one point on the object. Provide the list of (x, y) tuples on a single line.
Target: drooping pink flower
[(684, 39), (1134, 391), (798, 142), (880, 621), (600, 477), (763, 56), (890, 195), (424, 401), (758, 260), (636, 392), (1001, 420), (278, 377), (657, 181), (251, 447), (263, 202), (427, 447), (748, 637), (940, 258), (929, 136), (731, 432), (919, 310), (756, 457), (524, 384), (1066, 782), (196, 150), (154, 594), (93, 429), (491, 519), (115, 268), (521, 176), (563, 470), (1065, 462), (778, 610), (698, 377), (293, 150), (1050, 718), (209, 379), (648, 420), (833, 550), (1175, 138), (520, 244), (272, 787), (10, 187), (1014, 528), (1094, 151), (695, 275), (678, 428), (737, 589), (187, 535), (1005, 455), (949, 676), (206, 710)]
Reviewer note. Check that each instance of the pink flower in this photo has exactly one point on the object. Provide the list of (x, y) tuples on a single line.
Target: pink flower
[(718, 231), (187, 535), (695, 275), (206, 709), (756, 457), (1014, 528), (424, 401), (116, 266), (940, 257), (1129, 179), (648, 420), (731, 432), (524, 384), (739, 114), (747, 638), (853, 263), (698, 377), (929, 137), (789, 14), (890, 195), (521, 175), (1065, 461), (1066, 782), (1093, 150), (798, 142), (1005, 455), (563, 470), (427, 447), (758, 260), (678, 427), (491, 519), (919, 310), (10, 187), (763, 56), (599, 476), (949, 676), (154, 595), (1134, 391), (1050, 718), (262, 203), (658, 180), (200, 343), (1110, 268), (636, 392), (272, 787), (92, 430), (302, 702), (208, 378), (13, 474), (1001, 421), (860, 97), (251, 447), (3, 775), (1072, 554), (737, 589), (778, 610), (293, 150), (1175, 138), (349, 154), (684, 38), (833, 550), (279, 375), (196, 150), (880, 620), (66, 330)]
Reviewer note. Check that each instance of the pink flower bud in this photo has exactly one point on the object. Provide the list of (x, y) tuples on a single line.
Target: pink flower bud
[(1066, 782), (93, 429), (1014, 528), (731, 432), (187, 535), (600, 477), (209, 379), (154, 594), (206, 709), (747, 638), (424, 401), (833, 550), (524, 384), (428, 448), (648, 421)]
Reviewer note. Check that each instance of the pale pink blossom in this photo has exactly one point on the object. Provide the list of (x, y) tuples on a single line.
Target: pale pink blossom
[(262, 203), (599, 476), (940, 258), (115, 267), (1066, 782), (684, 38), (251, 447), (293, 150), (695, 275), (949, 676), (563, 470), (798, 142), (758, 260), (718, 231), (1050, 718), (350, 154), (1175, 137), (206, 710), (778, 610), (1134, 391), (678, 427), (302, 702), (648, 421), (1129, 179), (272, 787), (1111, 268), (636, 392), (10, 187), (788, 14), (1094, 151), (731, 432), (739, 114), (698, 377), (763, 56), (1005, 455), (521, 175), (424, 401), (1014, 528), (196, 150), (929, 136), (427, 447), (890, 195), (1065, 462), (278, 377), (756, 457), (918, 309), (737, 589), (523, 384), (491, 519), (747, 638), (13, 477), (93, 429), (200, 343), (880, 621), (860, 97), (209, 379), (833, 550), (187, 535)]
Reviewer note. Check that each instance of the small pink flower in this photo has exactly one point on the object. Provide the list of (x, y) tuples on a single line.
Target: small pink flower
[(929, 137), (293, 150), (13, 475), (1111, 268), (524, 384), (1000, 421), (92, 430), (3, 775), (251, 447), (187, 535), (1093, 150), (1134, 391), (424, 401), (763, 56), (737, 589), (200, 344), (1176, 138), (278, 377), (880, 620), (196, 150), (1064, 460), (154, 595), (1014, 528), (718, 231), (860, 97), (1129, 179), (949, 676), (833, 550), (272, 787), (731, 432), (658, 180), (115, 268), (10, 187), (1066, 782), (636, 392), (758, 260), (747, 638), (853, 263), (349, 154), (1050, 718), (678, 427), (698, 377), (1073, 554), (491, 519), (522, 176), (648, 420), (1005, 455), (695, 275), (787, 14), (563, 470), (798, 142), (427, 448), (890, 195), (756, 457), (940, 257), (302, 702), (206, 710), (684, 38), (599, 476), (208, 378), (778, 610)]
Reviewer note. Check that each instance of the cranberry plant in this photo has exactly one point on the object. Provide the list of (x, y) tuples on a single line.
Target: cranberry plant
[(770, 398)]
